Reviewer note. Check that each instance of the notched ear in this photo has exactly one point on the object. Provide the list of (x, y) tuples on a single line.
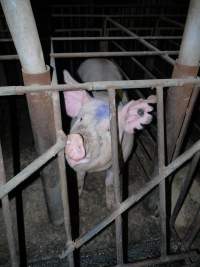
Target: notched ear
[(74, 100), (136, 113)]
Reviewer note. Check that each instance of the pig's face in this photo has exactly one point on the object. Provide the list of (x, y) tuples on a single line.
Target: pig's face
[(89, 143), (88, 146)]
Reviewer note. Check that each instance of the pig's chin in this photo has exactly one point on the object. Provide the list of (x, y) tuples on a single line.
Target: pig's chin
[(74, 163)]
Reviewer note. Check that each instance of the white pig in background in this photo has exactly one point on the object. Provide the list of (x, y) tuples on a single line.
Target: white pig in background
[(88, 147)]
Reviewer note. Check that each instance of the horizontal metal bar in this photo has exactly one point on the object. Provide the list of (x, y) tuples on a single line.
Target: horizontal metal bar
[(113, 29), (107, 38), (142, 41), (9, 57), (112, 54), (34, 166), (181, 25), (161, 260), (95, 86), (132, 200), (63, 15), (6, 40)]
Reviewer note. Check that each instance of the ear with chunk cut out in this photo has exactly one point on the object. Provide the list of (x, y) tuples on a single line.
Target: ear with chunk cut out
[(74, 100), (136, 113)]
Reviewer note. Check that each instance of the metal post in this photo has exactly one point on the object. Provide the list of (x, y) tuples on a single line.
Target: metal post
[(8, 218), (116, 173), (20, 19), (187, 65), (61, 164), (161, 165)]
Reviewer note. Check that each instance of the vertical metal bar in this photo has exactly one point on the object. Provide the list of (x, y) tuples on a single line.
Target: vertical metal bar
[(116, 173), (8, 218), (161, 165), (61, 164)]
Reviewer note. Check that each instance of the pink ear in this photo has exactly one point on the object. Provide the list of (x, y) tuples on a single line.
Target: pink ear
[(74, 100), (134, 114)]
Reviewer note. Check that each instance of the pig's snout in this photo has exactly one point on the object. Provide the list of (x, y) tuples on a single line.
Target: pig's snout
[(74, 149)]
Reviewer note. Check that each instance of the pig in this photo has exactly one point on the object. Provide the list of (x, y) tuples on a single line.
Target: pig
[(88, 145)]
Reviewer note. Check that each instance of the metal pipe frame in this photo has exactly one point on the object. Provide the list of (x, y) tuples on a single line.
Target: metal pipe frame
[(194, 227), (8, 217), (98, 86), (113, 54), (64, 15), (116, 173), (61, 162), (165, 172), (141, 40), (108, 38), (111, 29), (132, 200)]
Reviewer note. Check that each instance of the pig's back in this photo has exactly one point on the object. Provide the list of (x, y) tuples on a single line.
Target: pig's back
[(98, 69)]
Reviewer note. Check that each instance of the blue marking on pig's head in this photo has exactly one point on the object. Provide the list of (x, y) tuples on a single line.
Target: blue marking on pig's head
[(102, 111)]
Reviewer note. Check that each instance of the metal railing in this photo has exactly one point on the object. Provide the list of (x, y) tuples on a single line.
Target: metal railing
[(58, 150)]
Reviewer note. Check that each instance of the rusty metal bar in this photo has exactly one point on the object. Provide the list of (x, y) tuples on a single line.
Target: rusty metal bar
[(8, 217), (112, 54), (123, 84), (161, 165), (132, 200), (141, 40), (186, 121), (34, 166), (96, 38), (116, 173), (61, 163), (186, 65)]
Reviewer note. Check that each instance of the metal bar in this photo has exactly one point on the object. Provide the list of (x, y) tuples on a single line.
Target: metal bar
[(116, 173), (111, 29), (96, 38), (132, 200), (161, 165), (112, 54), (34, 166), (136, 61), (144, 42), (95, 86), (186, 65), (184, 188), (55, 15), (161, 260), (188, 115), (8, 217), (9, 57), (61, 163), (181, 25)]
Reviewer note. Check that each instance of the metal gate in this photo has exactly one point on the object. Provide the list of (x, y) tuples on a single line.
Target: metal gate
[(57, 150)]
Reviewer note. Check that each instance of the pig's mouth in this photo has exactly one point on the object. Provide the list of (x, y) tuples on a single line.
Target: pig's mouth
[(76, 150)]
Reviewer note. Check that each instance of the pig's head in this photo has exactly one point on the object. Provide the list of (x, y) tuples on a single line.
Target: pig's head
[(88, 145)]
